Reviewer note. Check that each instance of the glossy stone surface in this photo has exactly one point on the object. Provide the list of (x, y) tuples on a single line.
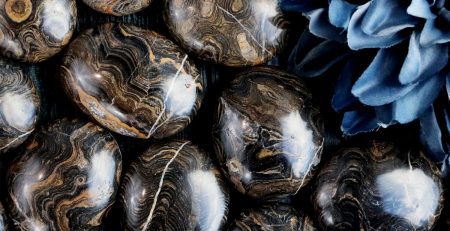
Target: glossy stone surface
[(19, 105), (233, 33), (268, 135), (271, 216), (66, 179), (132, 81), (35, 30), (117, 7), (3, 221), (173, 186), (378, 186)]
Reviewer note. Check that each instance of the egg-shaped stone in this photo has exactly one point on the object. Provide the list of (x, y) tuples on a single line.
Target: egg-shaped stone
[(66, 178), (272, 216), (232, 33), (35, 30), (19, 104), (173, 186), (378, 185), (267, 133), (132, 81), (3, 219), (117, 7)]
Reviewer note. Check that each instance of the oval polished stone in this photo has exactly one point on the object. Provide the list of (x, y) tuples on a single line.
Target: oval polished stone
[(66, 179), (132, 81), (35, 30), (3, 219), (117, 7), (378, 186), (233, 33), (271, 216), (268, 135), (173, 186), (19, 104)]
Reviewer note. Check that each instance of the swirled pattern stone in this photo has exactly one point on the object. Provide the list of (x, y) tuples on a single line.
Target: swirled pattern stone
[(66, 178), (117, 7), (378, 186), (173, 186), (19, 105), (268, 135), (132, 81), (233, 33), (271, 216), (3, 221), (35, 30)]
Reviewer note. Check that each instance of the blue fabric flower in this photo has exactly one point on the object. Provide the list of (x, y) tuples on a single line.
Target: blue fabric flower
[(407, 79)]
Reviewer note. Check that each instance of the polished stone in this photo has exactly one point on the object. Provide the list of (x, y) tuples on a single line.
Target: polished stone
[(378, 185), (268, 134), (232, 33), (35, 30), (173, 186), (117, 7), (19, 104), (66, 178), (132, 81)]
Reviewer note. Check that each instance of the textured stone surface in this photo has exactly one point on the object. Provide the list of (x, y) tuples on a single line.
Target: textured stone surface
[(117, 7)]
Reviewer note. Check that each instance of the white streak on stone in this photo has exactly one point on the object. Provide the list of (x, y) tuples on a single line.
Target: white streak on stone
[(56, 18), (101, 177)]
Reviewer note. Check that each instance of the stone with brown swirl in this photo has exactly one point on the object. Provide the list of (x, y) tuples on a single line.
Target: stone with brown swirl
[(173, 186), (377, 185), (132, 81), (117, 7), (66, 178), (272, 216), (35, 30), (268, 134), (233, 33), (19, 104)]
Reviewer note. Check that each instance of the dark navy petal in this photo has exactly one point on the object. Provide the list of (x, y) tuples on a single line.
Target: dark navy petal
[(379, 84), (301, 5), (436, 30), (422, 61), (340, 12), (358, 121), (387, 17), (431, 135), (421, 9), (357, 39), (412, 105), (322, 28), (343, 98), (312, 56)]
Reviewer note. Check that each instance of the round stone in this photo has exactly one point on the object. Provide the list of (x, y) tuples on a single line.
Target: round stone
[(173, 186), (19, 104), (66, 178), (33, 31), (378, 185), (117, 7), (232, 33), (268, 134), (132, 81)]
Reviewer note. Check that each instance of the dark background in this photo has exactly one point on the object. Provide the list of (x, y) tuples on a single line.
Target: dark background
[(55, 105)]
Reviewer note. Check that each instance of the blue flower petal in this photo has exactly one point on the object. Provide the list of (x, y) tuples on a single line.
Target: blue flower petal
[(379, 84), (387, 17), (421, 9), (412, 105), (422, 61), (322, 28), (357, 39), (312, 56), (340, 12), (301, 5), (436, 30), (358, 121), (343, 98), (431, 135)]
